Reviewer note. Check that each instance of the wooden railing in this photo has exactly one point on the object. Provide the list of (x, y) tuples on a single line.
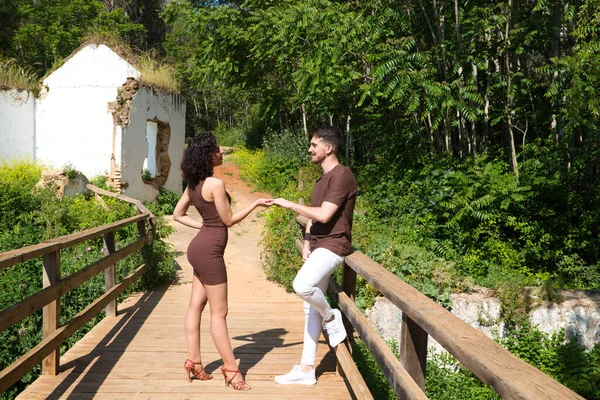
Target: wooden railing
[(507, 375), (48, 299)]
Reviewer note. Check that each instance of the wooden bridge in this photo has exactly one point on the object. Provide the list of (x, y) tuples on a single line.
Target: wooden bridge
[(138, 352)]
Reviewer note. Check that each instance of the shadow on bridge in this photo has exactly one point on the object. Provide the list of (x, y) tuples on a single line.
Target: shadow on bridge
[(109, 350)]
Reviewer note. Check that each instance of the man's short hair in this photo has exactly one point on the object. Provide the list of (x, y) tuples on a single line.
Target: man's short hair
[(330, 135)]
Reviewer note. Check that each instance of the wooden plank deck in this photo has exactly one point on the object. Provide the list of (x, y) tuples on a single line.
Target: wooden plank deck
[(140, 353)]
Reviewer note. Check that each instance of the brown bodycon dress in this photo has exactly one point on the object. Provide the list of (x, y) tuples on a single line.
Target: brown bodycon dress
[(205, 251)]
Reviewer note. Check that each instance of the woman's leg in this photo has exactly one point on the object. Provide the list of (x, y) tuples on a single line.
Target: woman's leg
[(217, 298), (193, 316)]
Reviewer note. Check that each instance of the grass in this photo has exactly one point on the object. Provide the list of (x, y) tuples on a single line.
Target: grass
[(157, 74), (15, 76)]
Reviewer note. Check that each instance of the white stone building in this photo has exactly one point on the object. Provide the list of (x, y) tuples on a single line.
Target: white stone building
[(94, 114)]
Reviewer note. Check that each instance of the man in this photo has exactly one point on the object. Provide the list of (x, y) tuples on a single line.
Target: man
[(327, 240)]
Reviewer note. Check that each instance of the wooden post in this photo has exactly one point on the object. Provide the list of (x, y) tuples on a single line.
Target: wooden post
[(51, 312), (142, 228), (413, 350), (349, 287), (110, 273)]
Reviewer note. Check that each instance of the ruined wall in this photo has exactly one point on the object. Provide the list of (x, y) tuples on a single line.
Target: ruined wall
[(167, 111), (74, 124), (17, 127)]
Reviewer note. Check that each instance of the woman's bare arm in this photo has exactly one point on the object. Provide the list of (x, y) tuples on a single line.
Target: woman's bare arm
[(180, 213), (217, 189)]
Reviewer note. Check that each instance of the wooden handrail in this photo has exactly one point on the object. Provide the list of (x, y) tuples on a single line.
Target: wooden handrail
[(140, 206), (33, 303), (506, 374), (48, 299), (10, 258)]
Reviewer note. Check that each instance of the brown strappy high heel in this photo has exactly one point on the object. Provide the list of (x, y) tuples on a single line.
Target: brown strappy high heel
[(236, 385), (190, 368)]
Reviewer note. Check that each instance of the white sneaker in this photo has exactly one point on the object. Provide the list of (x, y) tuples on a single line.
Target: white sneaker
[(335, 329), (296, 376)]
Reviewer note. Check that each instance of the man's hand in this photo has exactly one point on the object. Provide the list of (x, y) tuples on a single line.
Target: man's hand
[(305, 253), (282, 203)]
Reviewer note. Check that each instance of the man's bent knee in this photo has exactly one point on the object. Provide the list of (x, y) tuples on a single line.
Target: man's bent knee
[(303, 289)]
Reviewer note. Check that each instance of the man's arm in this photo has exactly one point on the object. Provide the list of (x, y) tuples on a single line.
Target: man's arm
[(320, 214)]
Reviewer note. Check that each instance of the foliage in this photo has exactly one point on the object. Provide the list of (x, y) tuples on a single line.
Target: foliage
[(165, 202), (281, 257), (100, 182), (230, 137), (41, 34), (16, 180), (447, 379), (50, 30), (146, 175), (259, 168), (565, 360), (370, 371), (70, 171)]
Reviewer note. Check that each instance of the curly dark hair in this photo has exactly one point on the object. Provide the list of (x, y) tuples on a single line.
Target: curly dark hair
[(197, 163)]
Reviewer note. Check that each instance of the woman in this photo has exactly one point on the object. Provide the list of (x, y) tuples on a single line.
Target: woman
[(205, 253)]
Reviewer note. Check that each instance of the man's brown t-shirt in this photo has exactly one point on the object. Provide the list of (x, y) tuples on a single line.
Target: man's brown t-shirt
[(337, 186)]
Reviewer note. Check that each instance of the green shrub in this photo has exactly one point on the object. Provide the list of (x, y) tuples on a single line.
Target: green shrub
[(166, 201), (70, 171), (100, 182), (448, 380), (230, 137), (281, 257), (275, 168), (289, 146), (17, 179), (371, 373), (248, 162)]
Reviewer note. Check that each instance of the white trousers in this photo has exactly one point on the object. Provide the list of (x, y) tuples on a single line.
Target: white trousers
[(311, 285)]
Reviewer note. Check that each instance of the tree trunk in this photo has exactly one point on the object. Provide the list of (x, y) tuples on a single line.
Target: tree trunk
[(456, 24), (474, 149), (304, 121), (348, 139), (509, 97)]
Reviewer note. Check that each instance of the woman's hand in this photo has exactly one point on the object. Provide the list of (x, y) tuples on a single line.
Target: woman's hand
[(180, 213), (263, 203)]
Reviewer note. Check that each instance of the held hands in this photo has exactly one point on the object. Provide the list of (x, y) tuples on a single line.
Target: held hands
[(263, 203)]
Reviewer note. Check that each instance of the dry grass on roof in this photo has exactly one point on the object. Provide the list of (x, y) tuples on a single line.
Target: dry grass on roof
[(155, 74), (15, 76)]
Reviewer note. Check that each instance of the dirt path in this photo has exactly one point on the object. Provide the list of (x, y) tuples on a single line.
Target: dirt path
[(247, 281)]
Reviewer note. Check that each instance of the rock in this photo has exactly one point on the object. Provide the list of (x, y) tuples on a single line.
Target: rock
[(64, 186)]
